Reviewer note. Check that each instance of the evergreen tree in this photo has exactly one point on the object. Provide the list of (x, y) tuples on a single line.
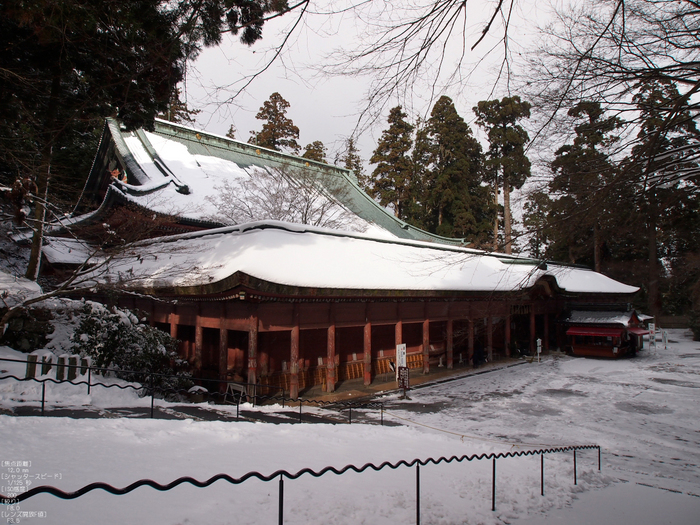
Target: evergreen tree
[(582, 175), (391, 179), (178, 111), (278, 130), (457, 203), (315, 151), (665, 201), (350, 159), (231, 133), (508, 165), (66, 65)]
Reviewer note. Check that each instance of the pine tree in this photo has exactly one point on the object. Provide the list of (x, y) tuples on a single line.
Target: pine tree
[(391, 179), (278, 130), (509, 166), (458, 204), (315, 151)]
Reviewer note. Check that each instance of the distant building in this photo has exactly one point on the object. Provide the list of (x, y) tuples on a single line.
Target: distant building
[(291, 305), (605, 334)]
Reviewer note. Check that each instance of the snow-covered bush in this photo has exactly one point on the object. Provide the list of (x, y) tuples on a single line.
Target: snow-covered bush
[(115, 339)]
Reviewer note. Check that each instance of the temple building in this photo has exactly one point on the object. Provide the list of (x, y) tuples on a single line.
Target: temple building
[(254, 295)]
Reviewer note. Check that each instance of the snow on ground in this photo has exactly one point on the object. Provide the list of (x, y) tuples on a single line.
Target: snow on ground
[(642, 411)]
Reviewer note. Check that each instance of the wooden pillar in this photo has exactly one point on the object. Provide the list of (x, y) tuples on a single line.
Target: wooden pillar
[(546, 332), (448, 343), (330, 357), (533, 348), (198, 336), (426, 346), (223, 354), (398, 334), (172, 318), (294, 358), (507, 335), (489, 338), (252, 352), (367, 347), (470, 341)]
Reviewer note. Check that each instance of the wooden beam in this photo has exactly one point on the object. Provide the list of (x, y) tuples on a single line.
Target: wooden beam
[(489, 338), (449, 344), (426, 346), (294, 362), (330, 355), (367, 346), (223, 357), (252, 352), (198, 336)]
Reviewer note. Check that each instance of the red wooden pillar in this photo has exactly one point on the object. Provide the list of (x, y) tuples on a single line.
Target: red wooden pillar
[(426, 346), (198, 336), (450, 347), (223, 354), (172, 318), (330, 358), (533, 348), (398, 335), (470, 341), (489, 338), (368, 354), (252, 352), (546, 332), (294, 358), (507, 335)]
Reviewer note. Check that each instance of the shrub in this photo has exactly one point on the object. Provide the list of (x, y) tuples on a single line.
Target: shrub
[(116, 339)]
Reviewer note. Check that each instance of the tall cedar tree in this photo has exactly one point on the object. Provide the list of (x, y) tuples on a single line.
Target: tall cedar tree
[(584, 216), (278, 131), (391, 179), (350, 159), (178, 111), (458, 204), (65, 65), (315, 151), (664, 205), (506, 161)]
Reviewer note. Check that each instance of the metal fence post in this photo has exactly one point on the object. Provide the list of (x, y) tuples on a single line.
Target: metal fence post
[(542, 472), (575, 467), (281, 505), (43, 396), (493, 491), (417, 493)]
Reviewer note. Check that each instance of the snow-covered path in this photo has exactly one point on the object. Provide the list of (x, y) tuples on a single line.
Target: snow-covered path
[(642, 411)]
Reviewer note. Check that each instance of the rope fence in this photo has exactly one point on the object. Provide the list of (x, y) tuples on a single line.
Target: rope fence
[(12, 499)]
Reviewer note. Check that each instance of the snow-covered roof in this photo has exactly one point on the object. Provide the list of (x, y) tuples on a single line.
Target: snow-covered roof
[(297, 256), (594, 317), (181, 172)]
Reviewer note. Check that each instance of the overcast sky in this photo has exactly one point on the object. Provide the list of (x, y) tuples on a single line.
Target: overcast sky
[(326, 108)]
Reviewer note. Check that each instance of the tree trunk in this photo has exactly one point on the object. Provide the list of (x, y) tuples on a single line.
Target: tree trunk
[(654, 300), (506, 214), (495, 220)]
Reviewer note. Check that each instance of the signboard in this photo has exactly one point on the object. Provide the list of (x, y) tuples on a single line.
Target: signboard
[(539, 349), (400, 358), (402, 372)]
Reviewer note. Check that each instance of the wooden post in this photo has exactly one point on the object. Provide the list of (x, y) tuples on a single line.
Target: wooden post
[(172, 318), (470, 341), (223, 355), (489, 338), (426, 346), (398, 334), (450, 348), (546, 332), (507, 335), (253, 351), (294, 359), (533, 348), (368, 354), (198, 336), (330, 357)]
